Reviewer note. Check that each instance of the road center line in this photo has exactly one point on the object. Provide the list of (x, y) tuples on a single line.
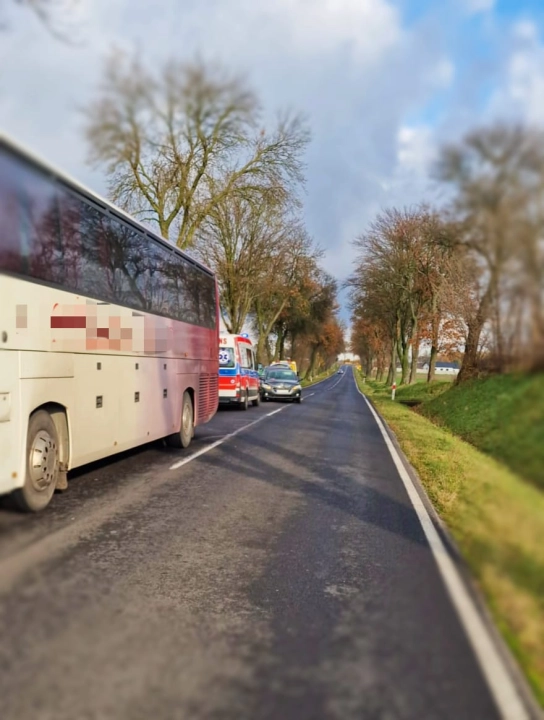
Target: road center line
[(215, 444), (335, 384), (499, 680)]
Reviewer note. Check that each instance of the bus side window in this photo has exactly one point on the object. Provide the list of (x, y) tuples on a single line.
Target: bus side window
[(94, 254), (157, 278), (10, 244), (70, 230), (125, 262), (51, 233), (40, 241), (174, 279)]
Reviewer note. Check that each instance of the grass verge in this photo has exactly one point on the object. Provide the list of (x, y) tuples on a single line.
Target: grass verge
[(496, 518), (320, 377), (502, 415)]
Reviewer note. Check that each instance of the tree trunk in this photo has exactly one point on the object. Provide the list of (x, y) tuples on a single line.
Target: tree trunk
[(402, 351), (432, 363), (294, 351), (413, 344), (434, 349), (261, 349), (497, 318), (313, 359), (380, 369), (282, 345), (536, 351), (469, 366), (404, 362), (278, 349), (392, 364), (268, 350), (415, 356)]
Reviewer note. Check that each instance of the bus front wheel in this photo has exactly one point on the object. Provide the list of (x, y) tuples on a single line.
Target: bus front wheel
[(182, 439), (42, 464)]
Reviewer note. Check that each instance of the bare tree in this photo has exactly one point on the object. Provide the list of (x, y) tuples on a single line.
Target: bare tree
[(404, 288), (320, 331), (60, 17), (176, 143), (393, 257), (244, 242), (376, 306), (498, 177), (295, 263)]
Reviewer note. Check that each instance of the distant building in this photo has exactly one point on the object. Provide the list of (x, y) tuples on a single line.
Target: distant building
[(443, 368), (348, 357)]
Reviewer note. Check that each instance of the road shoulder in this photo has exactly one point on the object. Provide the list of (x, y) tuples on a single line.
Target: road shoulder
[(453, 544)]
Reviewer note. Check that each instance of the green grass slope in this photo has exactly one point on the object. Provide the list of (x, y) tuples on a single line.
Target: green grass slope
[(421, 392), (502, 416), (496, 518)]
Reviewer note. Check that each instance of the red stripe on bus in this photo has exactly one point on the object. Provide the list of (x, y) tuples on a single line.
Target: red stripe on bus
[(69, 321)]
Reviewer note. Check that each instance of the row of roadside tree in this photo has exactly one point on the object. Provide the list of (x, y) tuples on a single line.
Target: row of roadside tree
[(187, 148), (466, 279)]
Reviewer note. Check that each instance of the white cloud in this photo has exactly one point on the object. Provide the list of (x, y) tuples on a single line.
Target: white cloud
[(443, 74), (367, 26), (521, 93), (416, 151), (478, 6), (525, 31), (350, 65)]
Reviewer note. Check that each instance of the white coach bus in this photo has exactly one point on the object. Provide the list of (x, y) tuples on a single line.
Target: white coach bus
[(109, 336)]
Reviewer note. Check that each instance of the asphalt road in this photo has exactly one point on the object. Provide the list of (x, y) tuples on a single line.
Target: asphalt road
[(282, 575)]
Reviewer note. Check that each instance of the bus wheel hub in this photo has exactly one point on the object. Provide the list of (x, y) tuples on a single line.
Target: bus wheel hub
[(42, 460)]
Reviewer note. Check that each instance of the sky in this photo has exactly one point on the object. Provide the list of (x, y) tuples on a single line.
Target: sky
[(383, 83)]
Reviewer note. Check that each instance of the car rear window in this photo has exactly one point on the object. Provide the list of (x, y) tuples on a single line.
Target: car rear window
[(281, 375)]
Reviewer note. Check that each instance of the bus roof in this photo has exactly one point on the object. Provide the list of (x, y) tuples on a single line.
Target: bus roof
[(60, 175)]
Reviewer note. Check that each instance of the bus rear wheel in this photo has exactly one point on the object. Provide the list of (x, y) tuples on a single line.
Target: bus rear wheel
[(244, 403), (42, 464), (182, 439)]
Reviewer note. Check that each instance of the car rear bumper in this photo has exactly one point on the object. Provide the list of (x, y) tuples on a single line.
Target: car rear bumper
[(230, 400), (267, 395)]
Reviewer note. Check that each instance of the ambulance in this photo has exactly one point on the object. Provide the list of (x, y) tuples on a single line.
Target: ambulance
[(239, 381)]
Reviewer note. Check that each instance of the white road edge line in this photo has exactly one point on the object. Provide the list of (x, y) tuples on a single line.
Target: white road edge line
[(215, 444), (500, 683)]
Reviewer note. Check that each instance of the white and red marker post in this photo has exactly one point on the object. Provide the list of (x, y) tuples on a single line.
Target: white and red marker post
[(393, 390)]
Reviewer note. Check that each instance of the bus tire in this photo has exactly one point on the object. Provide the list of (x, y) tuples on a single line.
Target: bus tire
[(257, 400), (42, 464), (182, 439), (244, 404)]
